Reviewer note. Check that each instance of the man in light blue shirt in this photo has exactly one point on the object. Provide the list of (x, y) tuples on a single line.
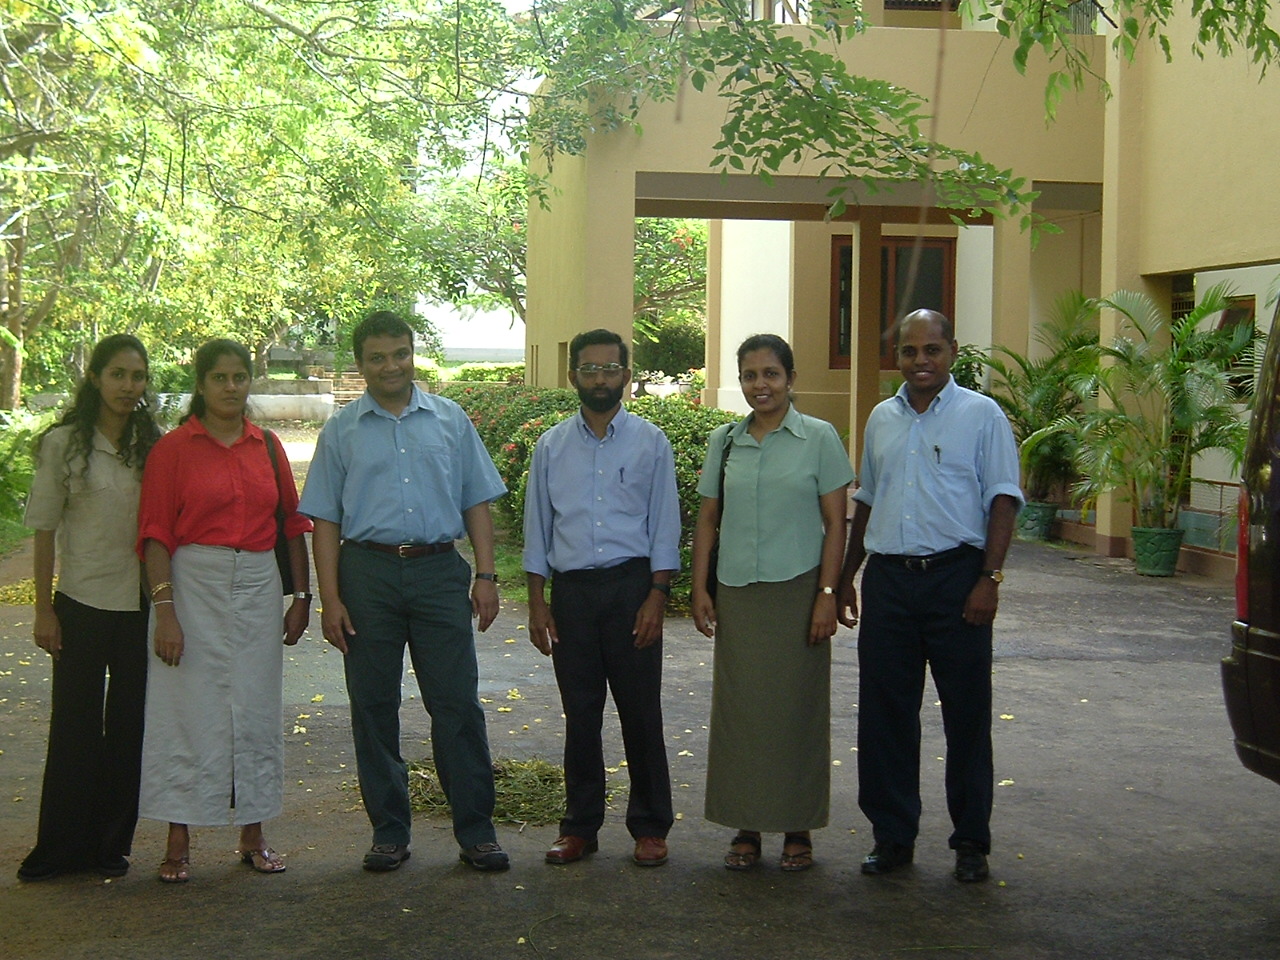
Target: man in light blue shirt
[(602, 521), (937, 497), (397, 477)]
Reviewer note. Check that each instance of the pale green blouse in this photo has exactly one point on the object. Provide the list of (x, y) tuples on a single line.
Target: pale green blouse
[(771, 520)]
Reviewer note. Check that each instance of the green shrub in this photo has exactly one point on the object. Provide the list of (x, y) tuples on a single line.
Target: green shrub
[(679, 344), (488, 373), (499, 409), (170, 377), (18, 431), (426, 368)]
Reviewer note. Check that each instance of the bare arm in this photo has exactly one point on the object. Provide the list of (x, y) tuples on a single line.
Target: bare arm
[(822, 624), (326, 541), (980, 606), (299, 613), (169, 640), (542, 627), (484, 593), (47, 629), (847, 594)]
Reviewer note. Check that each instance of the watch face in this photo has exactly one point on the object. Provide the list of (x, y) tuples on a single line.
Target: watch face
[(997, 576)]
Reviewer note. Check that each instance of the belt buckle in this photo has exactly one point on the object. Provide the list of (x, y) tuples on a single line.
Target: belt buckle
[(918, 564), (402, 550)]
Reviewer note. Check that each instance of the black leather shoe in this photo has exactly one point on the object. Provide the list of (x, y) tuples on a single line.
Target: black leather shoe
[(113, 866), (971, 862), (887, 857)]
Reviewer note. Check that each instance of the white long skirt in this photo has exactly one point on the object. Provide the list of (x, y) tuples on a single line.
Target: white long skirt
[(213, 750)]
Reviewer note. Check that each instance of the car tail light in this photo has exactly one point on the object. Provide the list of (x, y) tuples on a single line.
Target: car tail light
[(1242, 557)]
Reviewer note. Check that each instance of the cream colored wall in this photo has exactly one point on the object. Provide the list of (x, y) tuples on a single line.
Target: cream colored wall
[(755, 295), (975, 252), (1063, 262), (555, 268), (1211, 133)]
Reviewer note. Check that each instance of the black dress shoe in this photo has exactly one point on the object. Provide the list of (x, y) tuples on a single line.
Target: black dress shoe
[(887, 857), (113, 866), (971, 862)]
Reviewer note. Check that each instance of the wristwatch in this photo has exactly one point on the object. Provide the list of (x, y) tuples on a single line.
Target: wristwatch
[(492, 577), (996, 575), (829, 591), (661, 587), (302, 595)]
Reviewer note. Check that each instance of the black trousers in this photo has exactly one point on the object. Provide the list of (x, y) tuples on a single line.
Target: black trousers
[(89, 801), (595, 612), (911, 618)]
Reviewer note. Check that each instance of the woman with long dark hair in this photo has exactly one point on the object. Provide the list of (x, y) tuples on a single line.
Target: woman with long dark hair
[(214, 748), (84, 510)]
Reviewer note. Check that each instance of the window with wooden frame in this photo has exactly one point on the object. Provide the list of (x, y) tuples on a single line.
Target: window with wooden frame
[(934, 290)]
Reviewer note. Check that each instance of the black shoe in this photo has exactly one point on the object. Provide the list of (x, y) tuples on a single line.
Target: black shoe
[(485, 856), (34, 872), (384, 857), (971, 862), (887, 857), (113, 866)]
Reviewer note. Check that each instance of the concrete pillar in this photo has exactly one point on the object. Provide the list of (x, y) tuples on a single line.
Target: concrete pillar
[(1011, 286), (864, 357)]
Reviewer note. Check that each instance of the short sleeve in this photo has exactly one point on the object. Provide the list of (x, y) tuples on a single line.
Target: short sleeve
[(834, 469), (48, 496), (709, 480), (322, 493)]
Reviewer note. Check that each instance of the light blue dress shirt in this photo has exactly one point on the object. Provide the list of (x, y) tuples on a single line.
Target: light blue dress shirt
[(771, 526), (930, 477), (594, 503), (404, 479)]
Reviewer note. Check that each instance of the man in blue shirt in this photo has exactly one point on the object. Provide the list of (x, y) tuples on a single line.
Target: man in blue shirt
[(602, 520), (937, 497), (398, 476)]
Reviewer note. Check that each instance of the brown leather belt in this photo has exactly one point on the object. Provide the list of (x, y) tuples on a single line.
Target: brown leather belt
[(406, 550)]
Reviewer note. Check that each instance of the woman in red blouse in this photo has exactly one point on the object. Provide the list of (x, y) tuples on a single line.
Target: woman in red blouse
[(213, 752)]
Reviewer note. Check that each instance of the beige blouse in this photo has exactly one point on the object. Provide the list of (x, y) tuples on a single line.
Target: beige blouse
[(96, 519)]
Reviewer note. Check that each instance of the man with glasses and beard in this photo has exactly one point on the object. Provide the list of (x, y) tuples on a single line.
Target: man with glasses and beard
[(602, 521)]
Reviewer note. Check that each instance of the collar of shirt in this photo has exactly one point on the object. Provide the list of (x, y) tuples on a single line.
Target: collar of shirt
[(616, 425), (945, 397), (251, 431), (793, 423), (366, 404)]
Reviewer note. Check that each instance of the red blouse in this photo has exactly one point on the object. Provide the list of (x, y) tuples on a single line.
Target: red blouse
[(195, 490)]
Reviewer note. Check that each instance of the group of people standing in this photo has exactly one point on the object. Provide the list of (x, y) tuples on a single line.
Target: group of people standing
[(398, 477), (772, 576)]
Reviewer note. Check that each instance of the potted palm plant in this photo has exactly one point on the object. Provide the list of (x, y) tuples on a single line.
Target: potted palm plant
[(1036, 393), (1166, 391)]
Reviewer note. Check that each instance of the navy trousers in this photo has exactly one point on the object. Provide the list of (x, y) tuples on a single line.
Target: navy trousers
[(595, 612), (423, 603), (911, 618)]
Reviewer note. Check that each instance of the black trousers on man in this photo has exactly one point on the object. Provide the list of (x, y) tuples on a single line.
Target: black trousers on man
[(594, 613), (912, 616)]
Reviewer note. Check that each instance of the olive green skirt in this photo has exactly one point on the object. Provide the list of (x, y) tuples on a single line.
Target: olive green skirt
[(769, 756)]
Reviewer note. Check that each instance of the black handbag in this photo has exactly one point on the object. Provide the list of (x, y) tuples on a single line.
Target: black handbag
[(282, 544), (713, 561)]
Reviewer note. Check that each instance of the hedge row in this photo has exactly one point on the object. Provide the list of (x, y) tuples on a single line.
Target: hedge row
[(511, 419)]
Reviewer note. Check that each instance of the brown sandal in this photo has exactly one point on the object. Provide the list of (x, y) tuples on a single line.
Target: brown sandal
[(795, 862), (177, 870), (737, 859), (265, 860)]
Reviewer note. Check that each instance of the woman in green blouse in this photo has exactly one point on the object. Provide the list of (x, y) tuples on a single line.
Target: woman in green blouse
[(781, 522)]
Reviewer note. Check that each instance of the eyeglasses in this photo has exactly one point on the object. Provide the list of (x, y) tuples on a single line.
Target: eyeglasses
[(608, 369)]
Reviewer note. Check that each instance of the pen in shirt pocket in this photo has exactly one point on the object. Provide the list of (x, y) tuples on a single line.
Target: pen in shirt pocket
[(622, 474), (937, 454)]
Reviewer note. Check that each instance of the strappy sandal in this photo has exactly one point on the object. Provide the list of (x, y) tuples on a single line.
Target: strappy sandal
[(737, 859), (265, 860), (175, 870), (795, 862)]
